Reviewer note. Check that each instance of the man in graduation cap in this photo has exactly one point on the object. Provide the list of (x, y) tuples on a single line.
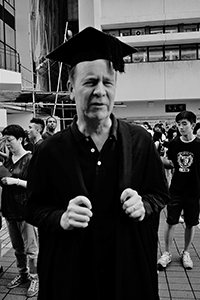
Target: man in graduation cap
[(97, 187)]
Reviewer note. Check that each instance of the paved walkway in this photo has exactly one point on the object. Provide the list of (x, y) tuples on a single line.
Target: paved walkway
[(175, 283), (10, 270)]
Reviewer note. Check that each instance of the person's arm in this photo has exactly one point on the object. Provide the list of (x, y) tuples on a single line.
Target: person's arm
[(3, 154), (167, 159), (157, 143), (16, 181), (168, 164), (45, 205)]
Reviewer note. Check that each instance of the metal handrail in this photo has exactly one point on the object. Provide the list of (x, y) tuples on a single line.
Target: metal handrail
[(8, 52)]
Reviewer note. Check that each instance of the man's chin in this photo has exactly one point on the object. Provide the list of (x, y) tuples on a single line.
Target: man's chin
[(98, 115)]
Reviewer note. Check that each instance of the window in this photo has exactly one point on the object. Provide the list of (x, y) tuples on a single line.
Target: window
[(113, 32), (128, 59), (171, 29), (125, 32), (11, 2), (11, 59), (137, 31), (10, 36), (156, 30), (9, 18), (140, 56), (190, 27), (1, 31), (2, 58), (188, 52), (155, 53), (172, 53), (9, 8), (165, 53)]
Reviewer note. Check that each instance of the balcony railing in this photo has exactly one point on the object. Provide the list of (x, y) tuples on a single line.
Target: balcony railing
[(9, 58)]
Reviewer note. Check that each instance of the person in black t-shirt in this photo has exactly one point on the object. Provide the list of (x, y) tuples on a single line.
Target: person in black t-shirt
[(184, 155)]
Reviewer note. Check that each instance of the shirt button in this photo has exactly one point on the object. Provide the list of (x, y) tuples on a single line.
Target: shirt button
[(99, 163), (92, 150)]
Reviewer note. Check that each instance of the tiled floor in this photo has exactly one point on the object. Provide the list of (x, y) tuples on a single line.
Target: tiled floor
[(174, 283), (10, 270)]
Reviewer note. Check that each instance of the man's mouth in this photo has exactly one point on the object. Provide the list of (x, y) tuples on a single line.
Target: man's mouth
[(97, 104)]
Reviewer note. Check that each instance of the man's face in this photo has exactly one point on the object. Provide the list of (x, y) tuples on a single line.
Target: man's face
[(51, 124), (94, 89), (185, 127), (32, 131), (157, 129)]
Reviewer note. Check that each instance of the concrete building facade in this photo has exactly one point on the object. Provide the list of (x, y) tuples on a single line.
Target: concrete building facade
[(164, 76), (15, 63)]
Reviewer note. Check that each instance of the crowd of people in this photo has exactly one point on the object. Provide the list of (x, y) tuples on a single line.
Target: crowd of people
[(178, 148), (83, 205)]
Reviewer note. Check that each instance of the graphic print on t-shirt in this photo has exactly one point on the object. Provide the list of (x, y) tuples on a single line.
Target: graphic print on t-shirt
[(185, 160)]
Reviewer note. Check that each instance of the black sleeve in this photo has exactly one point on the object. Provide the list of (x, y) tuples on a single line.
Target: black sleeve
[(42, 209)]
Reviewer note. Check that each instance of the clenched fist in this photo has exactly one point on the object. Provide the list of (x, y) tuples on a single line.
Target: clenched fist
[(78, 213), (132, 204)]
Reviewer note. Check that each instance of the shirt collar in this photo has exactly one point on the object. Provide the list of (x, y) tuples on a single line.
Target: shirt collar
[(79, 136)]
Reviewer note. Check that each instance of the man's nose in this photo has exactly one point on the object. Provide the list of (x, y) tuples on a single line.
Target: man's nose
[(99, 90)]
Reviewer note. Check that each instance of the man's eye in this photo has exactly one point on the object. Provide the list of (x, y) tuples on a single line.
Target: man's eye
[(108, 83), (90, 83)]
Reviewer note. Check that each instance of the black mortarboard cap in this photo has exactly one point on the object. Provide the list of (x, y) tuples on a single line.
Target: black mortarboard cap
[(91, 44)]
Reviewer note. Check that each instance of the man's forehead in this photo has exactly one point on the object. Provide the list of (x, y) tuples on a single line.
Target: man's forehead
[(95, 67), (32, 125), (183, 121)]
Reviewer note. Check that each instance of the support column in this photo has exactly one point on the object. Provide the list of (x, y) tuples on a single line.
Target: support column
[(89, 13)]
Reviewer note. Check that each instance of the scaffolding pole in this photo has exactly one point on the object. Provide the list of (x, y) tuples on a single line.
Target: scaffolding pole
[(31, 62), (48, 63), (59, 75)]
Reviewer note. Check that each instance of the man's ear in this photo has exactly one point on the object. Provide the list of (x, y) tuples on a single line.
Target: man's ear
[(20, 139), (69, 86), (70, 89), (193, 125)]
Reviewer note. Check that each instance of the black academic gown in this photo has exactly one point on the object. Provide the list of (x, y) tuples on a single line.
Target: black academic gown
[(66, 263)]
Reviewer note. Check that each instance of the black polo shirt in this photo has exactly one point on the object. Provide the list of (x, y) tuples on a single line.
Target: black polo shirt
[(100, 172)]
